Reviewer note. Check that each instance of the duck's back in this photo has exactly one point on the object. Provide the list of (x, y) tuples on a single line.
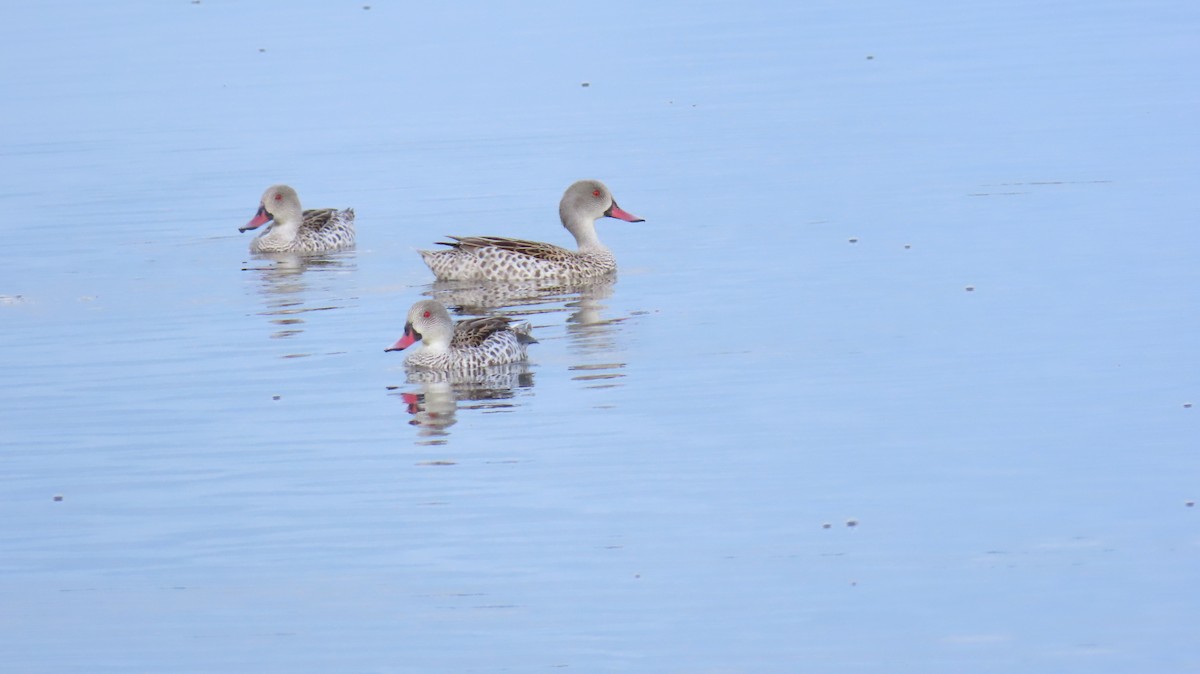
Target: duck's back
[(474, 332), (493, 258), (325, 230)]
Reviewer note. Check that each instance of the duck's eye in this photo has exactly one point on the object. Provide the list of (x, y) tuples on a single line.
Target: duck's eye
[(425, 315), (278, 197), (595, 193)]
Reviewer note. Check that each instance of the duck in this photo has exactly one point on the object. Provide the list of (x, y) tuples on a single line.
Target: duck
[(292, 230), (494, 258), (472, 343)]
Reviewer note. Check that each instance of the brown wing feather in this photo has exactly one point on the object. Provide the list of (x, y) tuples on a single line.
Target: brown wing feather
[(473, 331), (536, 249), (317, 219)]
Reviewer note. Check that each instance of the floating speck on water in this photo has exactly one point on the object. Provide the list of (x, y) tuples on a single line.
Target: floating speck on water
[(58, 497), (870, 58), (274, 397), (437, 462), (585, 84), (1186, 503), (854, 239), (970, 289), (1187, 405), (261, 50), (826, 525), (366, 7), (907, 246), (851, 523)]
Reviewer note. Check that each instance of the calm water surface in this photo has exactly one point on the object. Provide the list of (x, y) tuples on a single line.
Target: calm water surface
[(897, 375)]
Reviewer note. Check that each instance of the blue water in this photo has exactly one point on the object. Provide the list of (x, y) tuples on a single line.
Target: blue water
[(898, 374)]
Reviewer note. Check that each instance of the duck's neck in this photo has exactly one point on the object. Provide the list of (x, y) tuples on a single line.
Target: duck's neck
[(435, 344), (283, 229), (584, 231)]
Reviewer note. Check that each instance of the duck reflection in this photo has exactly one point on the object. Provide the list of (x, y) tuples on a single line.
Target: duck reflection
[(438, 396), (592, 336), (294, 285), (475, 298)]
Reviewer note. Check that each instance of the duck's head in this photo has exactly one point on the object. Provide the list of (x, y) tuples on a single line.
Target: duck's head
[(429, 321), (279, 202), (588, 201)]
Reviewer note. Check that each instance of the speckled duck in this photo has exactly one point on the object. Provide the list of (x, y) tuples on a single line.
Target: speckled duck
[(293, 230), (473, 343), (493, 258)]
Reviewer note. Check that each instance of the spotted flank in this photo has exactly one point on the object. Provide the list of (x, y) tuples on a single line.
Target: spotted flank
[(292, 230), (493, 258), (473, 343)]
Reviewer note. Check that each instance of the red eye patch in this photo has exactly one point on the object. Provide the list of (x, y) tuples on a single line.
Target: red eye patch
[(425, 315), (278, 197), (595, 193)]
